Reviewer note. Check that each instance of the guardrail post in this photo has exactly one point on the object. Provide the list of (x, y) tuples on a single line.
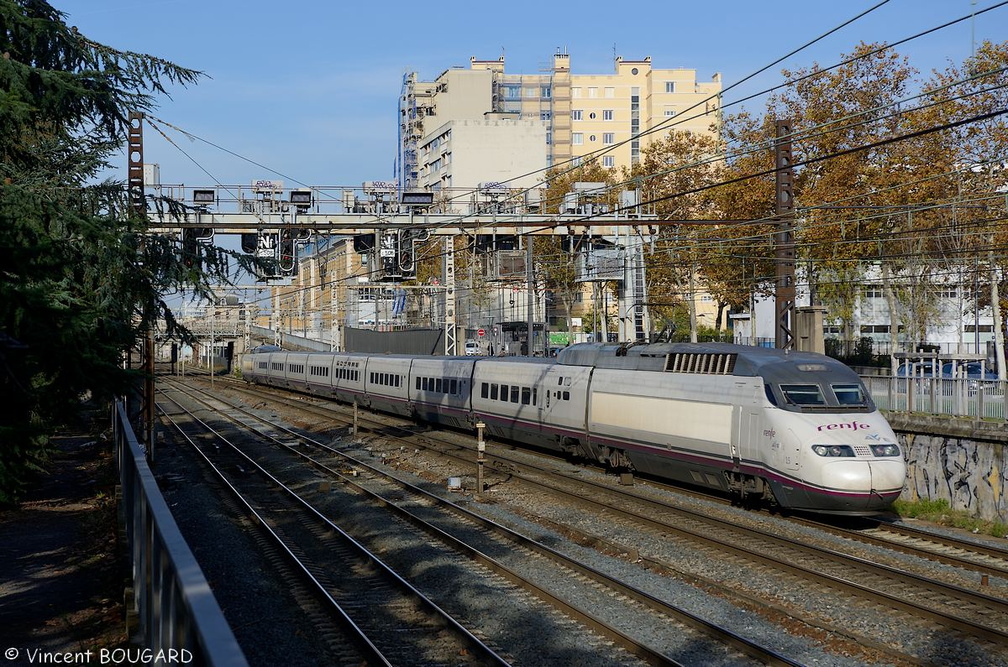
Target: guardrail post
[(981, 393), (480, 451)]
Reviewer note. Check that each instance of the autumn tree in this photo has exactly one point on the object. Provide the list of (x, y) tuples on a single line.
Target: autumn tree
[(737, 254), (969, 103), (842, 118), (675, 172)]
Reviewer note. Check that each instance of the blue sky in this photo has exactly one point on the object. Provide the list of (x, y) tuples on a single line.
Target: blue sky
[(310, 90)]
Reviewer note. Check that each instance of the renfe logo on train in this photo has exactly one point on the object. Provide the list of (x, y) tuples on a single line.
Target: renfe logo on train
[(852, 425)]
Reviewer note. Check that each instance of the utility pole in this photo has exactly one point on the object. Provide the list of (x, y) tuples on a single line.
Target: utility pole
[(449, 280), (530, 280), (784, 319), (138, 206)]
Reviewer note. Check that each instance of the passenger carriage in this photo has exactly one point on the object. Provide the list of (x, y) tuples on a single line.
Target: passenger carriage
[(509, 397), (386, 383), (440, 390)]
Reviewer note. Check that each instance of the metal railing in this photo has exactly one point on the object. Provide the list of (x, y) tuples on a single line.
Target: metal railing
[(177, 611), (957, 397)]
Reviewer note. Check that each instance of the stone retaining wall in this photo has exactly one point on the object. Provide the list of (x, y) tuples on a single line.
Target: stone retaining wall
[(963, 461)]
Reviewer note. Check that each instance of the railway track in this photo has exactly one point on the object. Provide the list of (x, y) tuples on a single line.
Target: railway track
[(383, 618), (970, 611), (522, 560)]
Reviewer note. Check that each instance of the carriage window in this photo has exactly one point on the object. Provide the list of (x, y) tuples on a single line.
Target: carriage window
[(526, 396), (454, 386), (514, 394), (504, 392), (437, 385), (849, 394), (493, 392), (803, 394), (566, 396), (484, 390)]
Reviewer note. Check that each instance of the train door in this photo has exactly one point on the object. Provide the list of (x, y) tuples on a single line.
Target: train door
[(742, 445), (790, 451)]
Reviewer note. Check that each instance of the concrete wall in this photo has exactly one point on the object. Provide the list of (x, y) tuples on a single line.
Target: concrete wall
[(963, 461)]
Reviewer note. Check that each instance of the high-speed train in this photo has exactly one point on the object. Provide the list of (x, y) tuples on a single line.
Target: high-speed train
[(794, 429)]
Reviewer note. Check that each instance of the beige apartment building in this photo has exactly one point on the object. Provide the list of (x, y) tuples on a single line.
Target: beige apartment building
[(517, 125)]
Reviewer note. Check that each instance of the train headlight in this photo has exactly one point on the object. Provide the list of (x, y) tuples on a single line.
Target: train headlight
[(885, 450), (833, 450)]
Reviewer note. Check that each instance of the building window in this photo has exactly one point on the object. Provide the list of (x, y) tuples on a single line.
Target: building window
[(607, 114), (577, 138), (546, 115), (634, 124), (873, 292), (608, 161), (591, 138), (608, 138), (512, 92), (545, 92), (669, 112), (609, 92), (575, 92), (670, 86), (530, 93), (576, 114), (592, 91)]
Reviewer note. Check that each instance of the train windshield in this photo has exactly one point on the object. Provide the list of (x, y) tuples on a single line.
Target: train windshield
[(803, 394), (849, 394), (834, 397)]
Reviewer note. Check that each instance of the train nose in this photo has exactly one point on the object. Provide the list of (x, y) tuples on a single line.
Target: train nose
[(848, 475), (888, 476), (854, 475), (874, 483)]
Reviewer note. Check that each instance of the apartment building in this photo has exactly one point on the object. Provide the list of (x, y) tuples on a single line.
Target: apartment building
[(543, 119)]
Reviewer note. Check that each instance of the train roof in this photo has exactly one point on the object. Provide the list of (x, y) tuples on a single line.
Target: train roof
[(705, 358)]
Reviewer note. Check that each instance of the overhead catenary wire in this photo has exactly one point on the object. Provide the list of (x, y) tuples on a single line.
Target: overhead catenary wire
[(672, 122), (946, 126)]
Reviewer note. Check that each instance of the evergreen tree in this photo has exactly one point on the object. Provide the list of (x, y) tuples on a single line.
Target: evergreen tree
[(80, 277)]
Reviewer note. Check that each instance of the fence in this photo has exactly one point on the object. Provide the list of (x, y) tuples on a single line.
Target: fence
[(958, 397), (175, 606)]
